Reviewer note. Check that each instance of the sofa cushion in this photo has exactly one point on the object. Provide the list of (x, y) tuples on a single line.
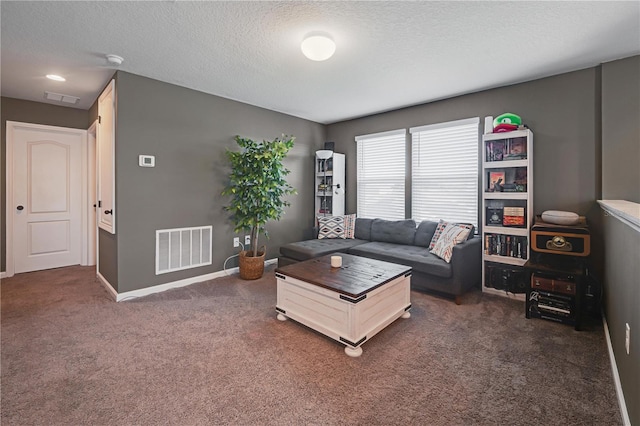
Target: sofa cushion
[(363, 229), (393, 231), (424, 233), (309, 249), (451, 235), (416, 257)]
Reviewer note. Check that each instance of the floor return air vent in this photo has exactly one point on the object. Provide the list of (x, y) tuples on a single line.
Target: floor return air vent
[(182, 248)]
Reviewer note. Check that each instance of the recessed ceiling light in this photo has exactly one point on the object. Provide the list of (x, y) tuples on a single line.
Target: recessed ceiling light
[(318, 47), (56, 77)]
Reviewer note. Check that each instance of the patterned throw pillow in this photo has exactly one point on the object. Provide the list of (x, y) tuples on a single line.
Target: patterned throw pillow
[(443, 224), (330, 227), (350, 226), (336, 226), (451, 235), (436, 235)]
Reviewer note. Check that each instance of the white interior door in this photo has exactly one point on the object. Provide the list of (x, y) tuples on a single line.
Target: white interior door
[(46, 196)]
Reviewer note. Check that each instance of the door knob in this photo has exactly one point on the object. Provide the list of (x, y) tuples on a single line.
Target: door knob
[(107, 212), (20, 207)]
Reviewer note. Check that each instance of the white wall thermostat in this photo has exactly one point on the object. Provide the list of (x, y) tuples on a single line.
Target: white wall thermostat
[(147, 160)]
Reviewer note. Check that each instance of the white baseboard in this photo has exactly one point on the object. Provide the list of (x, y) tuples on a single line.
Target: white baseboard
[(3, 274), (107, 285), (616, 376), (118, 297)]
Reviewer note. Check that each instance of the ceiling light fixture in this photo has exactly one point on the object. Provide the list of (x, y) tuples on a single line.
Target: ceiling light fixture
[(56, 77), (318, 47)]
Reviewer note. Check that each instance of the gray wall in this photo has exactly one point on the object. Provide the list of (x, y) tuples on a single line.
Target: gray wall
[(188, 132), (562, 111), (622, 269), (621, 130), (37, 113), (621, 180)]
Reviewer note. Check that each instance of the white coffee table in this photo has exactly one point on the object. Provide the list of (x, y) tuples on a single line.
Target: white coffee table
[(349, 304)]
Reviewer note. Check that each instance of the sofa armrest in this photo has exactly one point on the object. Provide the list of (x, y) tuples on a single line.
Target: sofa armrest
[(466, 262)]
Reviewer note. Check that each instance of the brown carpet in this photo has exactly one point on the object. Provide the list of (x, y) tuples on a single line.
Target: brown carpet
[(214, 353)]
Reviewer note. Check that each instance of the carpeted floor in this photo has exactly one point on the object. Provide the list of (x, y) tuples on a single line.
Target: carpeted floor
[(214, 353)]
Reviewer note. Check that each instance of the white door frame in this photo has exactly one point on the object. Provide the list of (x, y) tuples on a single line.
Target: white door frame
[(11, 127), (92, 196)]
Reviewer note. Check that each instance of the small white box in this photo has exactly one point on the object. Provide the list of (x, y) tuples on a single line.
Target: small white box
[(146, 161)]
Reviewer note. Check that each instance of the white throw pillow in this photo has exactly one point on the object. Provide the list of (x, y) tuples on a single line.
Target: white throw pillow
[(451, 235)]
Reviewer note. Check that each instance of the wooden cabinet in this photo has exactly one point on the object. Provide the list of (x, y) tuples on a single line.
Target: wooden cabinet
[(507, 211)]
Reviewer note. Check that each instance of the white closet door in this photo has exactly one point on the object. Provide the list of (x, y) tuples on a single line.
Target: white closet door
[(106, 159)]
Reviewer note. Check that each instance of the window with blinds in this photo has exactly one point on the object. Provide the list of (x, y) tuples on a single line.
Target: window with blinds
[(444, 172), (381, 174)]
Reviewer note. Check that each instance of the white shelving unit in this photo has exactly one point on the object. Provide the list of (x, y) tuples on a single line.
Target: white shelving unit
[(506, 155), (329, 185)]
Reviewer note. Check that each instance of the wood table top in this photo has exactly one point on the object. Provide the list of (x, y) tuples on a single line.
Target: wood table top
[(357, 275)]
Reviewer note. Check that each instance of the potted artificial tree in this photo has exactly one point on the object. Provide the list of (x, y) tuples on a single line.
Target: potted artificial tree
[(257, 187)]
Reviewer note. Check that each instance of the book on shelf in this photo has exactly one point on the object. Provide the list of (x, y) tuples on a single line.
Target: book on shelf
[(495, 150), (513, 216), (494, 216), (516, 149), (505, 245), (496, 179)]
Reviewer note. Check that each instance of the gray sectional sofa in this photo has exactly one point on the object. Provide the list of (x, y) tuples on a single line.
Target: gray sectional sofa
[(405, 243)]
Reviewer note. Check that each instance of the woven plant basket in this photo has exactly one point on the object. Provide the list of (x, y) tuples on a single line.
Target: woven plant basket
[(252, 268)]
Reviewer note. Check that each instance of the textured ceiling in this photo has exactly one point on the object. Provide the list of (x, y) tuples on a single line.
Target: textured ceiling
[(389, 54)]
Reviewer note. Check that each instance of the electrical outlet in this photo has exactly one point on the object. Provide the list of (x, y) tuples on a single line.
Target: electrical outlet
[(627, 337), (247, 240), (236, 241)]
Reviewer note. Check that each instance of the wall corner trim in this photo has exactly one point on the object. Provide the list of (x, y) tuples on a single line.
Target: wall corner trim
[(107, 285), (119, 297), (626, 421)]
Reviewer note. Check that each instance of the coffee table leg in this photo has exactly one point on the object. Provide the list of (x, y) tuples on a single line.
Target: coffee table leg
[(407, 314), (353, 352), (281, 317)]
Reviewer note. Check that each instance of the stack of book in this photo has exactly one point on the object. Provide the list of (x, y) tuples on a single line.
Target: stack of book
[(505, 245)]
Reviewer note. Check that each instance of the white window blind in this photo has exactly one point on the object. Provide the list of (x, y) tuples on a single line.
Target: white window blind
[(381, 174), (444, 173)]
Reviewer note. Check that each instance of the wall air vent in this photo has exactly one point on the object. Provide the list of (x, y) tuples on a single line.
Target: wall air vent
[(182, 248), (59, 97)]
